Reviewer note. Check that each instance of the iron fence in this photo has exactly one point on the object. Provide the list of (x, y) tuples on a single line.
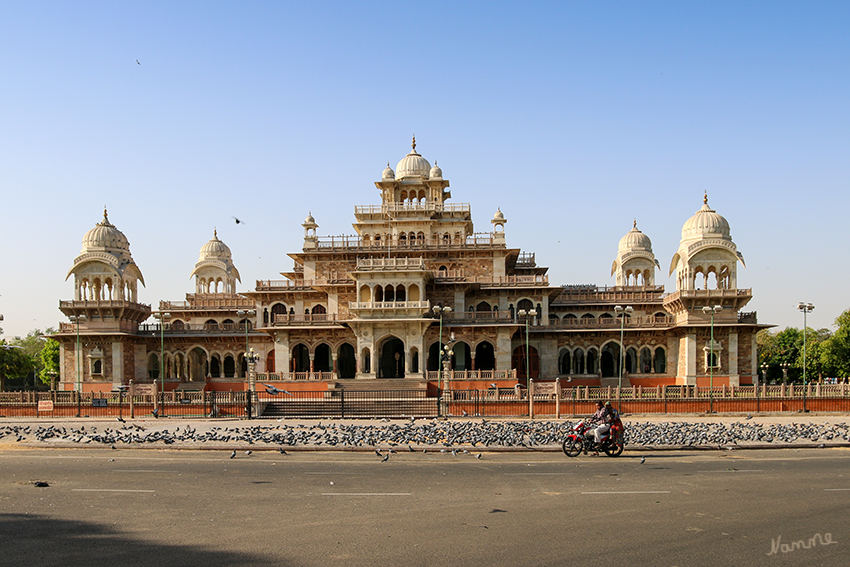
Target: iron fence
[(492, 402)]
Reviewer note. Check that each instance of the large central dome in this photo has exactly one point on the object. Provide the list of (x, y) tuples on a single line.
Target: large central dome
[(413, 165)]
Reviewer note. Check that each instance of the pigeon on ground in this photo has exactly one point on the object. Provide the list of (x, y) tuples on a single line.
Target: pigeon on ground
[(386, 458), (121, 419), (155, 413), (642, 460), (248, 452), (40, 484), (233, 455), (282, 452)]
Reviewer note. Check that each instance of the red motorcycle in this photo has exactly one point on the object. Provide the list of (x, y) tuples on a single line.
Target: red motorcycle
[(582, 439)]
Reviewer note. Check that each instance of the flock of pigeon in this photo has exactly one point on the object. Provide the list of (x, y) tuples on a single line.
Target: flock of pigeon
[(419, 435)]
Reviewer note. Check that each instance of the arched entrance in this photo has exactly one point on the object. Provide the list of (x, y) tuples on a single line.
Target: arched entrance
[(610, 360), (391, 363), (346, 365), (300, 358), (322, 361), (485, 356), (198, 367), (462, 358), (523, 369)]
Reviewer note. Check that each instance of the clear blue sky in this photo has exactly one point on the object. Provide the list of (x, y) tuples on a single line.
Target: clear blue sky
[(573, 117)]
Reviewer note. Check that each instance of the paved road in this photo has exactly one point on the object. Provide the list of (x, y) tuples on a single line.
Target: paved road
[(160, 507)]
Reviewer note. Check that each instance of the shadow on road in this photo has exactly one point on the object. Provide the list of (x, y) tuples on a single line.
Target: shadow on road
[(33, 540)]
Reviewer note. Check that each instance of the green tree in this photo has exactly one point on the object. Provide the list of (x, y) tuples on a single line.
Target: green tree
[(834, 353), (49, 360), (15, 365)]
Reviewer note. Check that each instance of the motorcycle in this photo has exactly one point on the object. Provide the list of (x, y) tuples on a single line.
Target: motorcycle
[(582, 439)]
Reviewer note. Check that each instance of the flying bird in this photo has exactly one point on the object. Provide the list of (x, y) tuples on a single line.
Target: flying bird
[(238, 221), (137, 62), (274, 391), (155, 413)]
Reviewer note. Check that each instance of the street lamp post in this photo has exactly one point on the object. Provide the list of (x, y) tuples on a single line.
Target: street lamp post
[(784, 366), (528, 315), (246, 313), (764, 367), (714, 309), (623, 313), (76, 319), (806, 308), (163, 317), (252, 359), (439, 311)]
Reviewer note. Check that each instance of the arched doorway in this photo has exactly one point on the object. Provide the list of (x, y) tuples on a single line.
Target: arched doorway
[(322, 361), (523, 369), (462, 358), (485, 356), (391, 363), (300, 358), (198, 366), (346, 365), (610, 360)]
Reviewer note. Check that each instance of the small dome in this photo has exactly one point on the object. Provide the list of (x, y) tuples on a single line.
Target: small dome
[(214, 249), (499, 215), (413, 165), (635, 240), (310, 219), (706, 223), (105, 235), (436, 172), (388, 173)]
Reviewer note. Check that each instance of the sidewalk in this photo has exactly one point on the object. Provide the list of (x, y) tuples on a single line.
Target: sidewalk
[(508, 434)]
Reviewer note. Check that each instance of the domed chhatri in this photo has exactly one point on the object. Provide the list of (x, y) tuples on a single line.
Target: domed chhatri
[(635, 264), (413, 165), (388, 173), (436, 172), (707, 257), (214, 272), (104, 269)]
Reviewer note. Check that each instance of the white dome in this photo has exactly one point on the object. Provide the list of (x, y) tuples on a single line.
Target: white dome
[(499, 215), (706, 223), (214, 249), (436, 172), (388, 173), (105, 236), (635, 240), (413, 165), (309, 219)]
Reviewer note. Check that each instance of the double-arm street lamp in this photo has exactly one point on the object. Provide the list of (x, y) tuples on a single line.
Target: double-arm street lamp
[(806, 308), (622, 312), (711, 360), (530, 314), (79, 366)]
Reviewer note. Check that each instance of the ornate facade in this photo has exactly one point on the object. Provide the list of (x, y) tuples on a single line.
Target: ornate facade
[(413, 291)]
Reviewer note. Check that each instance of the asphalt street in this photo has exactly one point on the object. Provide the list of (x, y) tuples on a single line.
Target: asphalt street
[(183, 507)]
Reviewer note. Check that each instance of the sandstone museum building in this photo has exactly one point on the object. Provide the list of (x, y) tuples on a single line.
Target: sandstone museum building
[(414, 299)]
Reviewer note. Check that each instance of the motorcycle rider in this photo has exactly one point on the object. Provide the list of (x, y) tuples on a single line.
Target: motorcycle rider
[(604, 415)]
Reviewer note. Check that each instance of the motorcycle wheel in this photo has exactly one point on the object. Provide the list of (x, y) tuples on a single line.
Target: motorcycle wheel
[(572, 447), (614, 450)]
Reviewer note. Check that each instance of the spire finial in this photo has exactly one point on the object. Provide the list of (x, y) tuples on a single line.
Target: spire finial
[(105, 217), (705, 198), (634, 224), (215, 233), (414, 143)]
